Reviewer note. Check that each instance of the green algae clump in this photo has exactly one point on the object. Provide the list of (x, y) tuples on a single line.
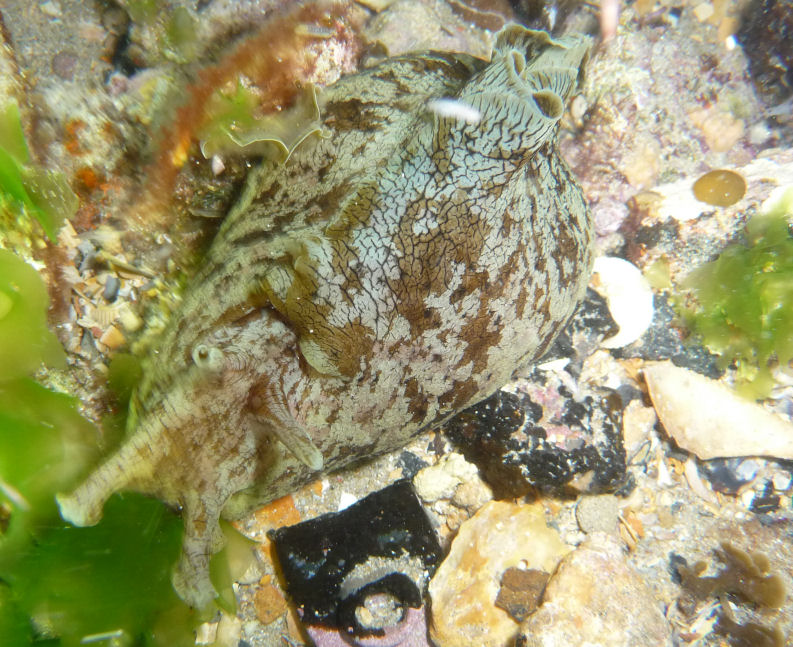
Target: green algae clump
[(236, 123), (108, 584), (25, 340), (743, 307), (26, 189), (62, 586)]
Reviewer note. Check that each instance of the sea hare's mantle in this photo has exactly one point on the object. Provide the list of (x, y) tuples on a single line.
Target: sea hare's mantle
[(397, 269)]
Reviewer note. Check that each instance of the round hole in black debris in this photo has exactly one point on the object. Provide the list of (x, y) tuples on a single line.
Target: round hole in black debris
[(376, 607)]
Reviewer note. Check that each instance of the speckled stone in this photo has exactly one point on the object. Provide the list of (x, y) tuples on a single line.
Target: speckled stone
[(598, 513), (596, 599), (465, 587), (441, 481)]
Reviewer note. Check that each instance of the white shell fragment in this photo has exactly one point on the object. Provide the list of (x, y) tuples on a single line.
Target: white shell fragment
[(710, 420), (629, 296), (455, 109)]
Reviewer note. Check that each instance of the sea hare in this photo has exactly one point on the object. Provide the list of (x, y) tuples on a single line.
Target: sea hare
[(397, 268)]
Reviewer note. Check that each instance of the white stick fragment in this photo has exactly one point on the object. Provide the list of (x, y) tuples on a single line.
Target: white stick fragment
[(710, 420), (454, 109), (696, 483)]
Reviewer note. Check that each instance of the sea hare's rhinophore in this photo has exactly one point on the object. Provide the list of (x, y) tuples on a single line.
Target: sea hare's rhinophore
[(390, 274)]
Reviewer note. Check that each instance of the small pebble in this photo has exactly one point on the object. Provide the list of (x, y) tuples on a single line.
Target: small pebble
[(747, 469), (88, 252), (111, 288), (112, 338), (472, 494), (638, 423), (64, 64), (440, 481), (521, 591), (217, 165), (729, 475), (51, 9), (129, 320), (268, 601), (782, 481), (703, 11), (598, 513)]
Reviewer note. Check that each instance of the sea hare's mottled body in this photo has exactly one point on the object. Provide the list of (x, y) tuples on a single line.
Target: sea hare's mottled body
[(398, 268)]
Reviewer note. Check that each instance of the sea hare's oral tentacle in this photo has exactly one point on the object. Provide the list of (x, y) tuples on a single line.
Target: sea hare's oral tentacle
[(268, 405), (133, 462)]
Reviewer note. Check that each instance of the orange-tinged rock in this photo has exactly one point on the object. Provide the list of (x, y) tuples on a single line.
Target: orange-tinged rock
[(268, 601), (281, 512)]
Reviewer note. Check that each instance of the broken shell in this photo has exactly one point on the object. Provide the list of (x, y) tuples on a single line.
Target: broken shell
[(710, 420), (629, 296)]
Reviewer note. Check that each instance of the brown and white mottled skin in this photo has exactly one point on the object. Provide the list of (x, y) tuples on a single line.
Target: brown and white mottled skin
[(399, 267)]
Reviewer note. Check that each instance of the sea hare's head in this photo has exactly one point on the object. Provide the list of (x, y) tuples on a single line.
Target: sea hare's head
[(203, 383), (521, 94)]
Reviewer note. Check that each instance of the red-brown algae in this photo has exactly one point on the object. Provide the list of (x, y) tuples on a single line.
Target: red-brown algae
[(277, 60)]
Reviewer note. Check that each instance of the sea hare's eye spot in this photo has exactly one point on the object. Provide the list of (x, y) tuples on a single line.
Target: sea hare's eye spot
[(208, 357), (549, 103), (721, 188)]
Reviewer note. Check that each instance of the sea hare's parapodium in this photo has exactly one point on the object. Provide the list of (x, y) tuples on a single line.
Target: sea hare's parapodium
[(390, 274)]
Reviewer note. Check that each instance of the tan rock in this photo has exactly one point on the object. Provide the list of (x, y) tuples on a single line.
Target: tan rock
[(638, 422), (596, 599), (464, 589), (641, 163), (441, 480), (472, 494), (720, 129)]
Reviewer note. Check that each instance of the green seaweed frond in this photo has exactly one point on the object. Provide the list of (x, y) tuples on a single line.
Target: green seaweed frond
[(235, 123), (27, 190), (743, 301), (60, 585)]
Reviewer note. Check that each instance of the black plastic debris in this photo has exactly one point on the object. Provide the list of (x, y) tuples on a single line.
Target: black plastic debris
[(766, 501), (362, 572), (506, 437)]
